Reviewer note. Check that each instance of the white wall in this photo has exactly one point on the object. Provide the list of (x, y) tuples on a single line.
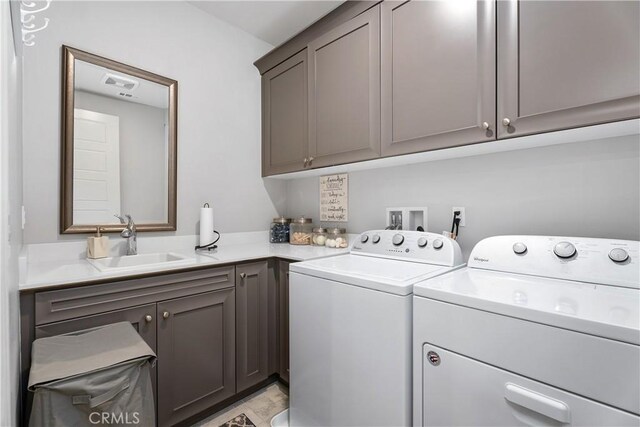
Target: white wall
[(580, 189), (10, 218), (143, 154), (218, 108)]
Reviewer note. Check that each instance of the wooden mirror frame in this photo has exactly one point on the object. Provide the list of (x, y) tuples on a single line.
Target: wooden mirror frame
[(69, 55)]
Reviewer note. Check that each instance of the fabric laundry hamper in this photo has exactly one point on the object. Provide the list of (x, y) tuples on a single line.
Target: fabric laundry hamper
[(99, 376)]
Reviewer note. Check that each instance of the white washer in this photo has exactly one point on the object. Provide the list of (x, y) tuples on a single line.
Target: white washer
[(350, 328), (535, 331)]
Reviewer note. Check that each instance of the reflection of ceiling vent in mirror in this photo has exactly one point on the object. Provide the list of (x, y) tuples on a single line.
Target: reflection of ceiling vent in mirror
[(119, 82)]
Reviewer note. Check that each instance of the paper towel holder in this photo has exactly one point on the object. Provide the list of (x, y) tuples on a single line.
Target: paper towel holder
[(211, 246)]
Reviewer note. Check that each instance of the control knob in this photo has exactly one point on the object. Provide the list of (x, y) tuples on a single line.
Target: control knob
[(618, 255), (397, 239), (437, 244), (364, 238), (564, 250), (519, 248), (375, 238), (422, 242)]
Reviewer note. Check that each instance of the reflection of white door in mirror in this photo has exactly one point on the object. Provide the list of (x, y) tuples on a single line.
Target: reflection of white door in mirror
[(96, 167)]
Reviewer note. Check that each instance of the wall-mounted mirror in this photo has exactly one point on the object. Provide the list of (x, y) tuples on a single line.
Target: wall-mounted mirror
[(119, 141)]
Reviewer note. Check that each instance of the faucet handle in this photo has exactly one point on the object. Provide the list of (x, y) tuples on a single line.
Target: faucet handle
[(128, 221), (131, 225)]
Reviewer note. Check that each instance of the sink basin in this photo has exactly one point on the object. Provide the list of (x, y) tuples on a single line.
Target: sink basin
[(133, 262)]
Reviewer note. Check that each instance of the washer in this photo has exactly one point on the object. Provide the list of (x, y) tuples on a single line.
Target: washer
[(535, 331), (350, 328)]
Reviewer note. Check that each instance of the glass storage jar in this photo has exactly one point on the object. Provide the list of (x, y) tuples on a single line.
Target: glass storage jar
[(300, 231), (337, 238), (319, 236), (279, 230)]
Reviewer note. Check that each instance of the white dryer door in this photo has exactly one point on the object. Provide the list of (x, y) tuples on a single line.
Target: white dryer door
[(458, 391)]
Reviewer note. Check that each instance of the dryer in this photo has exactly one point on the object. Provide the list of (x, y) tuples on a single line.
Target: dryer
[(350, 328), (536, 330)]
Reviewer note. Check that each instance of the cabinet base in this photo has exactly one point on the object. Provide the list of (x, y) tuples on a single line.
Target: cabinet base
[(228, 402)]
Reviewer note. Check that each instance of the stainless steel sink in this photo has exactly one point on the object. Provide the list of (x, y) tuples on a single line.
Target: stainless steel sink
[(140, 261)]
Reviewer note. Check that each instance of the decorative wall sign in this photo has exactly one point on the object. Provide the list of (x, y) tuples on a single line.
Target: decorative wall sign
[(28, 12), (334, 198)]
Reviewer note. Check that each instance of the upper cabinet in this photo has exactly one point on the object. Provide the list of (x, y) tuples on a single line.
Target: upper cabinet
[(285, 132), (564, 64), (398, 77), (438, 74), (344, 92)]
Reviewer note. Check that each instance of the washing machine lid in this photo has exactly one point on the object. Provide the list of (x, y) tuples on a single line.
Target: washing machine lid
[(601, 310), (380, 274)]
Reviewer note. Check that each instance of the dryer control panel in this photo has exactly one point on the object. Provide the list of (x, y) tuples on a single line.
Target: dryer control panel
[(414, 246), (601, 261)]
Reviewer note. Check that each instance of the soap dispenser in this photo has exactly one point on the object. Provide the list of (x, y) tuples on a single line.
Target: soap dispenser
[(98, 245)]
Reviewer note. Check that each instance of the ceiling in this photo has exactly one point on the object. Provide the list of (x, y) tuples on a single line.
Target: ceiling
[(90, 78), (272, 21)]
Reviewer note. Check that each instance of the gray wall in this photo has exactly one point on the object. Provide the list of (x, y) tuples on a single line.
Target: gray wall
[(143, 148), (218, 108), (10, 217), (580, 189)]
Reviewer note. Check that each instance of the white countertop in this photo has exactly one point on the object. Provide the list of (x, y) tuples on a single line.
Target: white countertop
[(50, 265)]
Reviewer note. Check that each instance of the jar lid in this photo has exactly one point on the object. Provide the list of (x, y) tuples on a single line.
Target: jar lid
[(282, 220), (319, 230), (302, 220), (337, 230)]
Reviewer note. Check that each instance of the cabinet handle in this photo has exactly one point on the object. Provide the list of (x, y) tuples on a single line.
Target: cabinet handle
[(485, 125), (506, 122), (148, 318), (243, 275), (310, 160), (306, 161), (166, 314)]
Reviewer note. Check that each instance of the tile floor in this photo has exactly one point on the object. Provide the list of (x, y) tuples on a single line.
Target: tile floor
[(260, 407)]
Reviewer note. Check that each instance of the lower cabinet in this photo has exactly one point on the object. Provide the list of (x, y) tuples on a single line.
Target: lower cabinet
[(252, 321), (142, 318), (217, 332), (196, 348), (283, 322)]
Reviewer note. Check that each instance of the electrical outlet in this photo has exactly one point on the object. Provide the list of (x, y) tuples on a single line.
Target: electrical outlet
[(463, 217)]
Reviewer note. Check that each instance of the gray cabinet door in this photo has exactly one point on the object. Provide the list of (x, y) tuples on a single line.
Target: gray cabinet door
[(285, 134), (137, 316), (252, 320), (196, 354), (283, 322), (344, 92), (564, 64), (438, 74)]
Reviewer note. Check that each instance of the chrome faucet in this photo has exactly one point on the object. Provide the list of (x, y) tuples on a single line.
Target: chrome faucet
[(130, 234)]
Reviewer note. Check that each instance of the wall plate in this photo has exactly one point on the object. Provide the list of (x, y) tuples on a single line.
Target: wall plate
[(411, 217), (463, 216)]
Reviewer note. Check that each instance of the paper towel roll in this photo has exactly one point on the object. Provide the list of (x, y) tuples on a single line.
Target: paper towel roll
[(206, 225)]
